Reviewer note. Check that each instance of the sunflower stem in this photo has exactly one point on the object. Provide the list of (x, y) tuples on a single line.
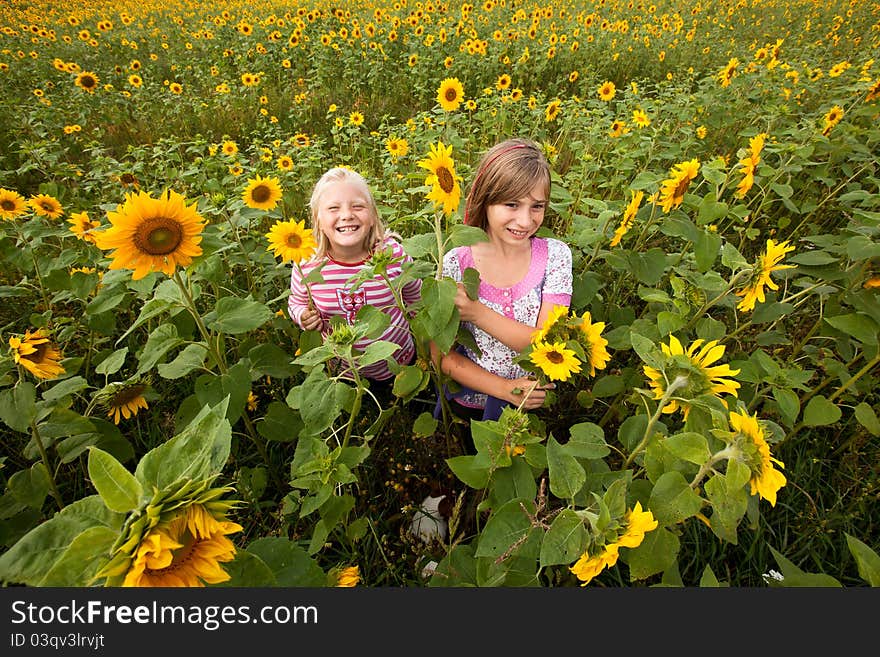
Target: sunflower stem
[(678, 382), (726, 453), (44, 456)]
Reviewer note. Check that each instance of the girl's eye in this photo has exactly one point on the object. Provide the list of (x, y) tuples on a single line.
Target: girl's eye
[(511, 204)]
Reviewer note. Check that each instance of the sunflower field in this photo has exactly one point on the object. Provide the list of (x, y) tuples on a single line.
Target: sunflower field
[(715, 174)]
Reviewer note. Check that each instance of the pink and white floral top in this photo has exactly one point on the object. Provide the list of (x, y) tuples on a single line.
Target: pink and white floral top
[(549, 278)]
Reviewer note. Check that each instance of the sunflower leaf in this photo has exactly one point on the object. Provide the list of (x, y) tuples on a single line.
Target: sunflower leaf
[(120, 490)]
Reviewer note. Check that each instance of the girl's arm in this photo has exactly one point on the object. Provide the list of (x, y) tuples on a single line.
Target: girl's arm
[(467, 373), (298, 307), (514, 334)]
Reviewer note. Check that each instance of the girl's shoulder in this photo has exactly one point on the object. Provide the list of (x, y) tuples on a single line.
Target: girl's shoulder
[(554, 245)]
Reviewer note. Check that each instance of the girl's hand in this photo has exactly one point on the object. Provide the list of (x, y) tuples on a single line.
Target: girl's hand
[(311, 320), (530, 390)]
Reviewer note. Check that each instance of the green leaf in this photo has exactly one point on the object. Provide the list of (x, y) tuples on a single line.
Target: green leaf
[(113, 362), (290, 563), (269, 359), (199, 451), (234, 385), (567, 476), (30, 487), (794, 576), (691, 447), (861, 327), (587, 441), (376, 351), (247, 570), (654, 555), (470, 470), (508, 525), (18, 406), (32, 557), (470, 278), (190, 358), (233, 315), (867, 418), (729, 501), (409, 381), (425, 425), (789, 405), (706, 248), (163, 339), (119, 489), (711, 210), (867, 560), (669, 322), (564, 542), (280, 424), (86, 554), (608, 386), (673, 500), (820, 412)]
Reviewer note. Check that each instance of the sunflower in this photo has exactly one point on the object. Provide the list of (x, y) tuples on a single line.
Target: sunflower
[(588, 567), (124, 399), (766, 480), (640, 118), (87, 81), (186, 550), (749, 163), (701, 132), (36, 354), (356, 118), (396, 147), (673, 188), (152, 234), (701, 378), (725, 76), (638, 523), (556, 361), (249, 79), (445, 184), (135, 80), (46, 206), (285, 163), (556, 313), (348, 577), (291, 240), (12, 204), (81, 226), (301, 140), (503, 82), (629, 216), (229, 147), (552, 110), (595, 345), (767, 263), (450, 94), (832, 118), (606, 91), (262, 193), (617, 128)]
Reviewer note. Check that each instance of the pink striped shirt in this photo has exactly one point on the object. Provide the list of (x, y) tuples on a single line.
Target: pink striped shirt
[(334, 296)]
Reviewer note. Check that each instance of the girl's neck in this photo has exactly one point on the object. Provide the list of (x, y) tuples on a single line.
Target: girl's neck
[(348, 256)]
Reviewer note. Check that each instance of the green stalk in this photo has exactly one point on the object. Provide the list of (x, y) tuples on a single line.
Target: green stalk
[(677, 383), (44, 456)]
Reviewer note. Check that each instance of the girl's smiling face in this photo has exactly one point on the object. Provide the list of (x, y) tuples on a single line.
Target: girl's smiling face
[(346, 220), (515, 221)]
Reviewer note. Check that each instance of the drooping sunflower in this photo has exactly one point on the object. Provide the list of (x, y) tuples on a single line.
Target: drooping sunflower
[(749, 163), (766, 480), (672, 189), (450, 94), (123, 399), (556, 313), (556, 361), (291, 240), (638, 523), (12, 204), (593, 342), (607, 91), (725, 75), (396, 147), (348, 577), (629, 215), (587, 567), (262, 193), (701, 377), (186, 550), (445, 184), (46, 206), (152, 234), (767, 263), (81, 226), (87, 81), (35, 353)]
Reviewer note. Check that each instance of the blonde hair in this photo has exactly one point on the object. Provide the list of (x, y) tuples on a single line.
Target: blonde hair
[(337, 175), (507, 171)]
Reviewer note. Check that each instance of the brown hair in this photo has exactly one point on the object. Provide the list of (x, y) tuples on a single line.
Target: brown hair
[(344, 174), (507, 171)]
